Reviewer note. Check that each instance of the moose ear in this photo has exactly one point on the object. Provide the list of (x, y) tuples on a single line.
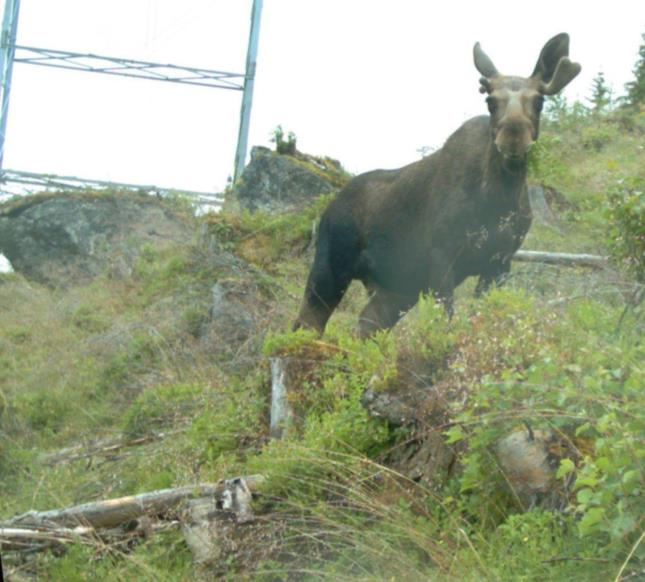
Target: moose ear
[(565, 72), (554, 50), (483, 63)]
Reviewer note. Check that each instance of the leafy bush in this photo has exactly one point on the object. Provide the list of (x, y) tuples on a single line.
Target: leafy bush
[(598, 135), (230, 420), (161, 406), (331, 422), (626, 214), (570, 375), (546, 161)]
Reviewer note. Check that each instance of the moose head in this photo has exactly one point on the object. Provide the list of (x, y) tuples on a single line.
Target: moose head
[(515, 103)]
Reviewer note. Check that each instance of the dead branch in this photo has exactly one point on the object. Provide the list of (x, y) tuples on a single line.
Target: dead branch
[(114, 512), (102, 448), (28, 538), (562, 259)]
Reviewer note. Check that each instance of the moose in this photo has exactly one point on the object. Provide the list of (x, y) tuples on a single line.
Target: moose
[(461, 211)]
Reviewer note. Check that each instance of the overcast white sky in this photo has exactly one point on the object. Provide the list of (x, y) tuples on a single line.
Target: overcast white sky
[(365, 81)]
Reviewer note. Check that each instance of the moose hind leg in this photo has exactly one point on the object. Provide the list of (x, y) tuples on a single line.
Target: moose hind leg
[(383, 310), (332, 272), (322, 296), (325, 288)]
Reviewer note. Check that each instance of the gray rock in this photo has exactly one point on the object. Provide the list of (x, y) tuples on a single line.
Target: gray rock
[(66, 239), (234, 330), (273, 182), (230, 316)]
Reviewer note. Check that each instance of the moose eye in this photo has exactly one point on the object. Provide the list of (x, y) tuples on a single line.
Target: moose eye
[(538, 103), (492, 105)]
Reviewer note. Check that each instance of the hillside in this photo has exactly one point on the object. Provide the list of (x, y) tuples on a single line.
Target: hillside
[(154, 371)]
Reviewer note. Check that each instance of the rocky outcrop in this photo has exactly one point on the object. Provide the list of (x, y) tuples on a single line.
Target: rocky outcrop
[(238, 317), (273, 182), (68, 238)]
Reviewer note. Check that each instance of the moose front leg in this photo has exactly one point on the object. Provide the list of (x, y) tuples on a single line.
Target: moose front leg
[(497, 273), (383, 310)]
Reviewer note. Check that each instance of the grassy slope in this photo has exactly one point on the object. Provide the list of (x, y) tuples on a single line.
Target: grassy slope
[(121, 358)]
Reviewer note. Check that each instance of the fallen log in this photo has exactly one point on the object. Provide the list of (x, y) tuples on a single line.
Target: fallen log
[(12, 538), (36, 539), (562, 259), (114, 512)]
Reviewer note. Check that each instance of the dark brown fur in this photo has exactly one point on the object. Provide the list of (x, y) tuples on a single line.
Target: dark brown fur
[(463, 211)]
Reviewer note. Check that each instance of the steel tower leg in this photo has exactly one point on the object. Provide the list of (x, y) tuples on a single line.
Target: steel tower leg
[(247, 97), (7, 51)]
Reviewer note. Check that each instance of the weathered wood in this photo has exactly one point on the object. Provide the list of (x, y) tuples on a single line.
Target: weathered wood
[(21, 538), (99, 448), (38, 538), (209, 523), (113, 512), (281, 410), (563, 259), (210, 527)]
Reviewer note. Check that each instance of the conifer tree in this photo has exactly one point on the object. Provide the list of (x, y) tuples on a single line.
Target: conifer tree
[(600, 94), (636, 89)]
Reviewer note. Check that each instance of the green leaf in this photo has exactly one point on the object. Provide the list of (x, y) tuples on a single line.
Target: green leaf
[(604, 464), (589, 522), (605, 421), (631, 480), (566, 466), (631, 476), (584, 496), (590, 479), (622, 525), (583, 428), (455, 434)]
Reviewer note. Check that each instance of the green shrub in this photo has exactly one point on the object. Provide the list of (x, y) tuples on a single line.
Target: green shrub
[(333, 426), (574, 376), (160, 406), (88, 319), (537, 545), (598, 135), (164, 557), (426, 339), (230, 420), (547, 164), (281, 343), (626, 214)]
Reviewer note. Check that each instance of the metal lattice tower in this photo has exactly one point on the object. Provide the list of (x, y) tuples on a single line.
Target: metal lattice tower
[(11, 53)]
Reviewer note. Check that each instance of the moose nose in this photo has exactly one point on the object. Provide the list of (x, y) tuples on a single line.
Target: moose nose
[(514, 138)]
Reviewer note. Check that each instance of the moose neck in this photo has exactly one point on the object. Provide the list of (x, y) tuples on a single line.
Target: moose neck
[(502, 178)]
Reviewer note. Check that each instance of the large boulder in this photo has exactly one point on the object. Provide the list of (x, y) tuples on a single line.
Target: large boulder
[(68, 238), (274, 182)]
